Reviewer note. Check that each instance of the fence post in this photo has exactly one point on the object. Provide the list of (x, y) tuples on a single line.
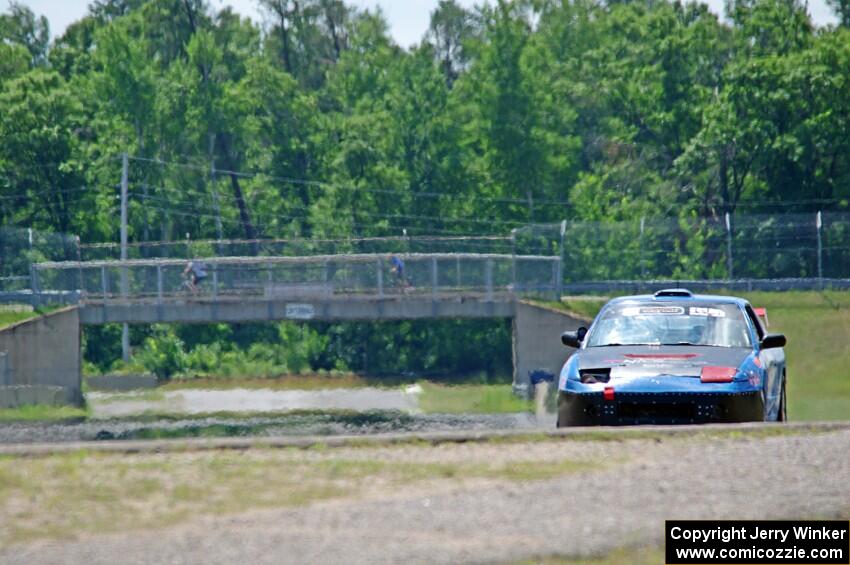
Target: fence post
[(730, 273), (104, 283), (158, 283), (513, 257), (379, 265), (555, 267), (559, 286), (819, 226), (434, 278), (640, 244), (488, 279), (459, 281), (32, 271), (36, 289), (215, 280), (81, 287)]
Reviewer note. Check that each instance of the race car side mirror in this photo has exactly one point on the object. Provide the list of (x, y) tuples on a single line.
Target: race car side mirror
[(574, 339), (772, 341)]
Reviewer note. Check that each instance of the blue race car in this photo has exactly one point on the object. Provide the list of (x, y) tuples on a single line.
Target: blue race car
[(673, 358)]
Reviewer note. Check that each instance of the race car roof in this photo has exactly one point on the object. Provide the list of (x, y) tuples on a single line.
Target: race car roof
[(679, 295)]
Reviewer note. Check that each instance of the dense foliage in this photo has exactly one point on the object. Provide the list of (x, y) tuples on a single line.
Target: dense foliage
[(477, 350), (514, 112), (315, 123)]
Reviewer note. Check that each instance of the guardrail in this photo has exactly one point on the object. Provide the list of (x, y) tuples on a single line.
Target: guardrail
[(317, 276)]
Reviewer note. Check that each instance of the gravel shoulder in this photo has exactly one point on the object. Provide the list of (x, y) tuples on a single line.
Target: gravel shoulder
[(297, 424), (475, 502)]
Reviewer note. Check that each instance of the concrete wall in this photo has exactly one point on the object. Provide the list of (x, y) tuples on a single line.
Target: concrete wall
[(44, 352), (21, 395), (537, 342)]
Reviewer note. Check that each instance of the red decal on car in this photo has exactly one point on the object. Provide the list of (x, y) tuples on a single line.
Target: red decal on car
[(711, 374)]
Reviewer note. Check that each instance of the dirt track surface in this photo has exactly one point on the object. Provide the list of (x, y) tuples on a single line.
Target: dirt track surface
[(644, 482), (269, 426)]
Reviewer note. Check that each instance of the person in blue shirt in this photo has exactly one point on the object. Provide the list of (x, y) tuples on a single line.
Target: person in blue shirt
[(397, 269)]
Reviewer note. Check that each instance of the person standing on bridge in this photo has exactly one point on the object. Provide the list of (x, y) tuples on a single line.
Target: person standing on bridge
[(195, 272), (397, 269)]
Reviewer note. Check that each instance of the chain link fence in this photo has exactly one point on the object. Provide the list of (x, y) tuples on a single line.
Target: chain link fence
[(188, 248), (737, 251), (741, 252), (304, 277), (20, 248)]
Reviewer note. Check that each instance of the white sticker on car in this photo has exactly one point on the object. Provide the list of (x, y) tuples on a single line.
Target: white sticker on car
[(710, 312), (653, 310)]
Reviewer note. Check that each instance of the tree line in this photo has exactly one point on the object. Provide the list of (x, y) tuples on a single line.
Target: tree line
[(314, 122)]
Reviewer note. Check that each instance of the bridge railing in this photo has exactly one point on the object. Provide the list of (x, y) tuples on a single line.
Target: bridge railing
[(310, 277)]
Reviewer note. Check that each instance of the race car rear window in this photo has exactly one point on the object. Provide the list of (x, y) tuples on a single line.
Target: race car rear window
[(685, 323)]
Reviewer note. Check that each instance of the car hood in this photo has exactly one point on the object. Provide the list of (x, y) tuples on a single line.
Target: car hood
[(652, 360)]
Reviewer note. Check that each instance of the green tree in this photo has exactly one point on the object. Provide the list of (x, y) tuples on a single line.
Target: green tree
[(21, 26), (450, 31), (39, 124)]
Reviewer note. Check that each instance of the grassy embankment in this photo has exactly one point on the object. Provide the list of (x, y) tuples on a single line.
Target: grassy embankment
[(41, 413), (101, 493), (14, 313), (817, 325), (90, 492), (10, 316)]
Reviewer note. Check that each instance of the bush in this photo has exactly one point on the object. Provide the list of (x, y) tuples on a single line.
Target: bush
[(204, 358), (163, 354)]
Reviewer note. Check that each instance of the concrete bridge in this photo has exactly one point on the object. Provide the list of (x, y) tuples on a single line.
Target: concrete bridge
[(326, 288)]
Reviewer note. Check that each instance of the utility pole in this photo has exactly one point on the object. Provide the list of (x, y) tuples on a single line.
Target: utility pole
[(125, 334), (216, 205)]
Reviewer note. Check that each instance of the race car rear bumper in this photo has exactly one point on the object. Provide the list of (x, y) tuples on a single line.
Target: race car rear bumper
[(634, 408)]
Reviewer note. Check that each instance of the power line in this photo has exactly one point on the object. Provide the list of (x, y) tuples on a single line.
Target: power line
[(371, 239), (376, 215), (460, 196), (325, 184), (44, 193), (230, 221)]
